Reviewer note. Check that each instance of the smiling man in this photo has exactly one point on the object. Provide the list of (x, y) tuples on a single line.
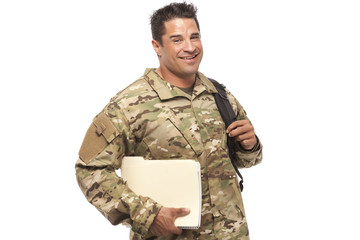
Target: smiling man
[(169, 113), (180, 51)]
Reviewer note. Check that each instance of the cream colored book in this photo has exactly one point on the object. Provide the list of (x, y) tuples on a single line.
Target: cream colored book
[(172, 183)]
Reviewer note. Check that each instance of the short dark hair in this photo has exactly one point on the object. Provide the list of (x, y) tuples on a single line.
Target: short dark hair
[(169, 12)]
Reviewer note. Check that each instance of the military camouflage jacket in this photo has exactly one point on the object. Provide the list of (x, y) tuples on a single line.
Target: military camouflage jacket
[(156, 120)]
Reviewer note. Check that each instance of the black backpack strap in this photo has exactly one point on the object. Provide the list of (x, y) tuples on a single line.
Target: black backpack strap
[(228, 116)]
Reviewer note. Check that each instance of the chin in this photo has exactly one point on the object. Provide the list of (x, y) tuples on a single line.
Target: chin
[(190, 70)]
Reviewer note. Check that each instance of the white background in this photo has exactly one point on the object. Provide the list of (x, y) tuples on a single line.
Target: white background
[(293, 65)]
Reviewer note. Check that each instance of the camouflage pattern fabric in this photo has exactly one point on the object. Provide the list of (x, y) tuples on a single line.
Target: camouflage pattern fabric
[(156, 120)]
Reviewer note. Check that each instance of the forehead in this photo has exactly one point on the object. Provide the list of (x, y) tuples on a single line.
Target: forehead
[(180, 26)]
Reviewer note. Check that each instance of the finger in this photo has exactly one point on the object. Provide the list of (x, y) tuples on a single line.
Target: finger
[(177, 230), (241, 130), (236, 124), (245, 136), (248, 143), (180, 212)]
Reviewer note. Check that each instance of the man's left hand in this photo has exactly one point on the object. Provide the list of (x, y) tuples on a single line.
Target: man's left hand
[(243, 132)]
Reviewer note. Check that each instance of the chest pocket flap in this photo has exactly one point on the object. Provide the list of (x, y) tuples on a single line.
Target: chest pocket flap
[(194, 142)]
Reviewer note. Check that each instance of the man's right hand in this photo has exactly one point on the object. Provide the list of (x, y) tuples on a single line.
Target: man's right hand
[(163, 224)]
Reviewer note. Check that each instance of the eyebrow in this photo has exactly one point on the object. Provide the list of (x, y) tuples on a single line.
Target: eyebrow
[(175, 36), (179, 35)]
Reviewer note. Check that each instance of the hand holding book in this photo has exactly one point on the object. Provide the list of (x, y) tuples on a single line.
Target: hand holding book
[(164, 223)]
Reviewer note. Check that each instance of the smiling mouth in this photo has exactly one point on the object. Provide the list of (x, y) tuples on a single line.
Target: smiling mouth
[(190, 57)]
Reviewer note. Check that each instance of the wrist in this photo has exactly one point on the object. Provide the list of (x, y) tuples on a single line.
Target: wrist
[(141, 224)]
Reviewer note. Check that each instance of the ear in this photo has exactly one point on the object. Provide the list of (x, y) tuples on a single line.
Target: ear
[(157, 47)]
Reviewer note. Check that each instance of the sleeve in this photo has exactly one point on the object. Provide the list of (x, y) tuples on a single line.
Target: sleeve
[(106, 142), (245, 158)]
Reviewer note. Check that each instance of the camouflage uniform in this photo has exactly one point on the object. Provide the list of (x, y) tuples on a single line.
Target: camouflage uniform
[(156, 120)]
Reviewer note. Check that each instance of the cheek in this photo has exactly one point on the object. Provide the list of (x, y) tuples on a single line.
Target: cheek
[(170, 54), (175, 52)]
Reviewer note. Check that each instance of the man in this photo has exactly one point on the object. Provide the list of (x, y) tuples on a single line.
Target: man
[(169, 113)]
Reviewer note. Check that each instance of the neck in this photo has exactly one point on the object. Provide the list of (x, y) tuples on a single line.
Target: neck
[(185, 81)]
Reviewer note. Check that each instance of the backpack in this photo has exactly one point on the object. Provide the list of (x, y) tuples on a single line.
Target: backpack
[(228, 116)]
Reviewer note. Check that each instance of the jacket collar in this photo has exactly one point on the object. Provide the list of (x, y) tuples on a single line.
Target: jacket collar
[(167, 91)]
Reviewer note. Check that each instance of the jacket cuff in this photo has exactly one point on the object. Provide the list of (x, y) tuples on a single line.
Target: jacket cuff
[(249, 158), (145, 217)]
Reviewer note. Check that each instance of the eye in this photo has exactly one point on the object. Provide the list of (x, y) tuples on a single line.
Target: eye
[(177, 40), (195, 38)]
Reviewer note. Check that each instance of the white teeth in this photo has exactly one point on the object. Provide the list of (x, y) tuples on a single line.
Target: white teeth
[(189, 57)]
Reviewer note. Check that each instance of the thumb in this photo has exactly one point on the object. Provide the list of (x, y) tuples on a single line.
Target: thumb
[(182, 212)]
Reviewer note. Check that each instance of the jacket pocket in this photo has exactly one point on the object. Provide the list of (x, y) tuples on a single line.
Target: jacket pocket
[(226, 199)]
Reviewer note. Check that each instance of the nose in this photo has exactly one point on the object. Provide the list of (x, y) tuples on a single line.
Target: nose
[(188, 46)]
